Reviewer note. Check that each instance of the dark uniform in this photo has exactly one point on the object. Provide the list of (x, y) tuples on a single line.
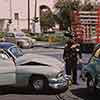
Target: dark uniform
[(70, 57)]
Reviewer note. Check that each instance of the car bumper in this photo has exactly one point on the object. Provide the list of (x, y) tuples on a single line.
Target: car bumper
[(27, 45), (59, 83)]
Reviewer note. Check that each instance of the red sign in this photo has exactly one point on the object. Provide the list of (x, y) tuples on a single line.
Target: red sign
[(77, 26), (98, 25)]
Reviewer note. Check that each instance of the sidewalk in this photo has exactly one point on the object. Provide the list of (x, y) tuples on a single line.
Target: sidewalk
[(48, 45)]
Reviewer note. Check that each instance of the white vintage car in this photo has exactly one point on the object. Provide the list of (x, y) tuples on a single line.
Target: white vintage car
[(36, 71), (20, 39)]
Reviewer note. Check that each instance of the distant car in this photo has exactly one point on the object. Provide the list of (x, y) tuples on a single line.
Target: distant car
[(20, 39), (36, 71), (91, 70)]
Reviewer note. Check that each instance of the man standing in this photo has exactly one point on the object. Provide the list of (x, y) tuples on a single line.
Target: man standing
[(70, 57)]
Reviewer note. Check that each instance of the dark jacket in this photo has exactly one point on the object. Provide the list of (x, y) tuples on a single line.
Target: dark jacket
[(71, 53)]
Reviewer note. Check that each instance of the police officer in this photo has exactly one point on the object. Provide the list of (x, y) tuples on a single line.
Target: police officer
[(70, 56)]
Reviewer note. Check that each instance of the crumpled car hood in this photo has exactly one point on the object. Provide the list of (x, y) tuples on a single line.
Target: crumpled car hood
[(50, 61)]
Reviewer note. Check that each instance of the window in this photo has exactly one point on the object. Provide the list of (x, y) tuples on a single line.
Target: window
[(9, 35), (20, 34), (17, 52)]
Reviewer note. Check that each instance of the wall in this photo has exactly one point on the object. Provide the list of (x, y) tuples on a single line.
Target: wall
[(20, 6)]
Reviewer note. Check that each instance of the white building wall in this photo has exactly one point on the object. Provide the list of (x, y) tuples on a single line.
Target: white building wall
[(21, 7)]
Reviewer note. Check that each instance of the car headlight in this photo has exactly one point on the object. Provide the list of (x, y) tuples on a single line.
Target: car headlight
[(60, 74), (33, 40)]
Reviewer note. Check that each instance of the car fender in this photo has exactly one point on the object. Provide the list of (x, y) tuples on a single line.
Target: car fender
[(25, 72), (42, 70), (89, 70)]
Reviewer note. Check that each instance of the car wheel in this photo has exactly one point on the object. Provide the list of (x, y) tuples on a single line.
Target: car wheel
[(91, 84), (4, 90), (19, 45), (38, 83)]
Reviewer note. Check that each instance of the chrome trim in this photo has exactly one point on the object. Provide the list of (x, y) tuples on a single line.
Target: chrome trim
[(58, 83)]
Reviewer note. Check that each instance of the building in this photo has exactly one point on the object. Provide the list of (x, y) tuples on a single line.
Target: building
[(17, 10), (85, 24)]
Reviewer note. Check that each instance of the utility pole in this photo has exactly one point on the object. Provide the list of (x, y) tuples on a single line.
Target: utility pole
[(35, 14), (10, 16), (28, 15), (10, 9)]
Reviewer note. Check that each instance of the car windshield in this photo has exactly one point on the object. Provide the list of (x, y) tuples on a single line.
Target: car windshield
[(17, 52), (9, 35)]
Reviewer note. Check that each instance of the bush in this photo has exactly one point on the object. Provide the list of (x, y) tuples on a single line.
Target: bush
[(54, 37), (1, 34)]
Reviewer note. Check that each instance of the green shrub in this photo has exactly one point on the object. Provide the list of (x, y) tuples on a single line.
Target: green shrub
[(45, 37), (1, 34)]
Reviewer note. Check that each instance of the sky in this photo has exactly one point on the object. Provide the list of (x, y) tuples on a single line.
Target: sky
[(20, 6)]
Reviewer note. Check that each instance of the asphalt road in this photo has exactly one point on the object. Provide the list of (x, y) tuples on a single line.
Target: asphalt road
[(75, 92)]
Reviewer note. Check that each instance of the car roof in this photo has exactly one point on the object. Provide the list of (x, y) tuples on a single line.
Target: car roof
[(97, 46), (17, 32), (1, 50), (6, 45)]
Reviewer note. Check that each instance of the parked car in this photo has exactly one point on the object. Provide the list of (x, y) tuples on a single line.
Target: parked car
[(91, 70), (20, 39), (7, 69), (36, 71)]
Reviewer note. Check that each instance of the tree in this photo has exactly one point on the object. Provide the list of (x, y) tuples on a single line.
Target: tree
[(46, 19), (88, 6), (64, 10)]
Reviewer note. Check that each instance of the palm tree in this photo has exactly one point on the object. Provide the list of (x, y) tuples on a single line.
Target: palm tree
[(64, 10), (88, 6), (46, 18)]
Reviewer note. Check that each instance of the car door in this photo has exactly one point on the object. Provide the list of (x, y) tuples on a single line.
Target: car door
[(7, 69), (97, 60)]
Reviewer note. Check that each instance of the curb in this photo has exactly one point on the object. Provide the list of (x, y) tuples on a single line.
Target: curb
[(50, 46)]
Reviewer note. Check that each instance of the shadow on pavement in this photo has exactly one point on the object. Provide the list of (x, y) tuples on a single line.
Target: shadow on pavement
[(85, 95), (26, 91)]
